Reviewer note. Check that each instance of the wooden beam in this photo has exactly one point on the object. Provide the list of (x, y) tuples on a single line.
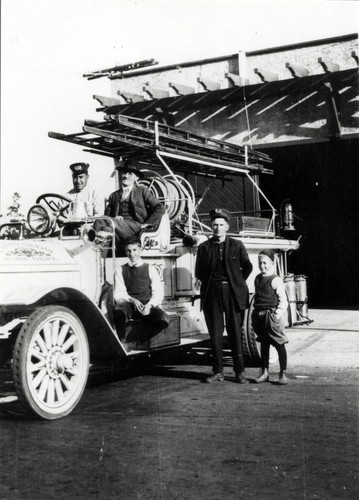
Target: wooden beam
[(155, 93), (328, 66), (107, 101), (162, 115), (119, 69), (333, 110), (208, 84), (130, 98), (265, 75), (182, 89), (236, 80), (355, 56), (296, 70)]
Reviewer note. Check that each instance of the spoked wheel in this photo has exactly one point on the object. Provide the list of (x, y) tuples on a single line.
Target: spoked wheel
[(51, 362)]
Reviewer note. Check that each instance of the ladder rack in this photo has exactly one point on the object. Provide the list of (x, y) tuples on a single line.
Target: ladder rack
[(125, 137)]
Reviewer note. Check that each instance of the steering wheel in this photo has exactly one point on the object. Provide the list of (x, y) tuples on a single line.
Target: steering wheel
[(53, 202), (43, 217)]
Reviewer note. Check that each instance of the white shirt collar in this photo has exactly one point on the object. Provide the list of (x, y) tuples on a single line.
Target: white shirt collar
[(136, 264), (127, 189)]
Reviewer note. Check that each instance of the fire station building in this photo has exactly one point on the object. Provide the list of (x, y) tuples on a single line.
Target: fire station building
[(300, 105)]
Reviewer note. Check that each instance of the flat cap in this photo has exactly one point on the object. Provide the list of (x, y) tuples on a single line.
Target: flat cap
[(79, 168), (131, 166), (220, 213), (269, 253)]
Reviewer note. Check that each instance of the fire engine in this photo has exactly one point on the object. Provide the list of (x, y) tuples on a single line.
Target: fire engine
[(57, 273)]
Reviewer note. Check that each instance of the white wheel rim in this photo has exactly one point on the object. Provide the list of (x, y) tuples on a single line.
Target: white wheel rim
[(57, 363)]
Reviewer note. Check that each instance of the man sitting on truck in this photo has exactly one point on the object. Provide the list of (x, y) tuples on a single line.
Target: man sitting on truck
[(87, 197), (137, 293), (133, 207)]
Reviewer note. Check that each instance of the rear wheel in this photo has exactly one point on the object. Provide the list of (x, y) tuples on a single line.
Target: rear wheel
[(251, 347), (51, 362)]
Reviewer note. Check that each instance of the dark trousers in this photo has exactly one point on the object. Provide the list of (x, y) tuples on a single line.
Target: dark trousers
[(154, 322), (219, 303), (124, 229)]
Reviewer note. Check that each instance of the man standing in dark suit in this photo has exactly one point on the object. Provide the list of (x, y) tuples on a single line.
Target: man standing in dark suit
[(222, 266), (132, 206)]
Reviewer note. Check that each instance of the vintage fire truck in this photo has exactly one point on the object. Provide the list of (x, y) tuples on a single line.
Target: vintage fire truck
[(57, 276)]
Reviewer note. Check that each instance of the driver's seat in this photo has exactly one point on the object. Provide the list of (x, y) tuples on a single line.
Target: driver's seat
[(159, 237)]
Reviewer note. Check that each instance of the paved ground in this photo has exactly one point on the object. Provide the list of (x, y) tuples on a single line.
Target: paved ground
[(159, 433)]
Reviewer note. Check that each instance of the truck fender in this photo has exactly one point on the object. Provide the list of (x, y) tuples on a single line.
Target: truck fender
[(103, 340)]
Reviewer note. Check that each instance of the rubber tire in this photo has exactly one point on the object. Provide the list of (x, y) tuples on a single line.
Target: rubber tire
[(251, 348), (75, 377)]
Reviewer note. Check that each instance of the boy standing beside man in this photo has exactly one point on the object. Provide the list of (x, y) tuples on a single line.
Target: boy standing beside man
[(270, 302)]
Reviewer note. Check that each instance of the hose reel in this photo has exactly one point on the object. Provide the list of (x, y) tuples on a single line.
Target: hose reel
[(173, 191)]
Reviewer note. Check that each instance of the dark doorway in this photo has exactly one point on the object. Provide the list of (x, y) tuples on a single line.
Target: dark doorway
[(322, 182)]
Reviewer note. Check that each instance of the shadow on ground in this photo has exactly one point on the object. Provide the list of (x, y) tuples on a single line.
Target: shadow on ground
[(177, 363)]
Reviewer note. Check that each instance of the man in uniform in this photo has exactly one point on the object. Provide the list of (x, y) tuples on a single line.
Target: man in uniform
[(92, 204), (132, 206), (222, 266)]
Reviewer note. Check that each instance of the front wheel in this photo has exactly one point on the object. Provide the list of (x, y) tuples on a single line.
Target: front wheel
[(51, 362)]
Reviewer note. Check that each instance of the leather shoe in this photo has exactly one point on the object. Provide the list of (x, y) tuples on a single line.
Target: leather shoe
[(283, 380), (241, 379), (263, 378), (217, 377)]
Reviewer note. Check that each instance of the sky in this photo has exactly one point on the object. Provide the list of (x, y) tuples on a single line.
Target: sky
[(47, 45)]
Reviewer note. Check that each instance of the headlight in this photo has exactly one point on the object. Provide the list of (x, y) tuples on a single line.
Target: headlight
[(41, 220)]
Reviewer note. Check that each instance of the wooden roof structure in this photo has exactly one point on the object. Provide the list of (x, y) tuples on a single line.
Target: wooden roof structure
[(335, 81), (293, 94)]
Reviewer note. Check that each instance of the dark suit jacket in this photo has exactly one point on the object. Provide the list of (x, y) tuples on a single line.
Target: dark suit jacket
[(143, 206), (238, 266)]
